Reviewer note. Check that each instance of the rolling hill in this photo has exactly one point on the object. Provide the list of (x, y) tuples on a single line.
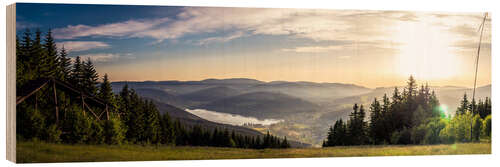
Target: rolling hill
[(210, 94), (262, 105)]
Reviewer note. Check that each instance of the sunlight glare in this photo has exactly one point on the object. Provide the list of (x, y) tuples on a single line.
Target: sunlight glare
[(425, 51)]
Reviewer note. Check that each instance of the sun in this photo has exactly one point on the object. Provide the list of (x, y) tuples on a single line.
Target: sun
[(425, 51)]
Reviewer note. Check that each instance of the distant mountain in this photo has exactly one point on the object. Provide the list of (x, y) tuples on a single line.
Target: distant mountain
[(210, 94), (162, 96), (231, 81), (314, 92), (195, 93), (262, 105)]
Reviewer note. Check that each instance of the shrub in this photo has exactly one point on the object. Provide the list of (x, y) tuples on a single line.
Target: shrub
[(96, 132), (418, 134), (31, 123), (486, 128), (114, 131), (401, 137), (53, 134), (434, 127), (476, 127), (79, 126)]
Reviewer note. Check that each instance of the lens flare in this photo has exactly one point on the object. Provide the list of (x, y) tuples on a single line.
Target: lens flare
[(443, 110)]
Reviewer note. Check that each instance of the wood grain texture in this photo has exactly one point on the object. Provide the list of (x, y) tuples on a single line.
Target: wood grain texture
[(11, 83)]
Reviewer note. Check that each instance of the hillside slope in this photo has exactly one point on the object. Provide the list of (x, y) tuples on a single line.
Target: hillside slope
[(262, 105), (189, 119)]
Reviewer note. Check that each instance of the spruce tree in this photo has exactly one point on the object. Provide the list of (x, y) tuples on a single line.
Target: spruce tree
[(90, 77), (106, 92), (77, 73), (114, 130), (464, 106), (376, 127), (51, 55), (63, 66)]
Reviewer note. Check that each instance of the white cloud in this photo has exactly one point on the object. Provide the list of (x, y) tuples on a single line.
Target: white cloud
[(75, 46), (127, 28), (100, 57), (226, 38)]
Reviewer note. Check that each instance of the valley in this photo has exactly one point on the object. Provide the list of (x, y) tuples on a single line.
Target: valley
[(306, 109)]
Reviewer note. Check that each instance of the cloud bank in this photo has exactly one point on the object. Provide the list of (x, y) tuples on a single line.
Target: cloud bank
[(318, 25), (231, 119)]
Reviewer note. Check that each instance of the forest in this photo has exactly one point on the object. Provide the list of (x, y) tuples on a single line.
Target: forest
[(132, 120), (413, 116)]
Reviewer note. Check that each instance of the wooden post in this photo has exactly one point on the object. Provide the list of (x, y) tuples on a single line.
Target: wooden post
[(107, 112), (55, 100), (36, 102), (93, 113), (83, 104)]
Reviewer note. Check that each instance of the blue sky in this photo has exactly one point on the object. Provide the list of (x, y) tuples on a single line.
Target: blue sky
[(370, 48)]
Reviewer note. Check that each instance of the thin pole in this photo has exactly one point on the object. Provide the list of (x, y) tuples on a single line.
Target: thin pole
[(475, 75), (477, 58)]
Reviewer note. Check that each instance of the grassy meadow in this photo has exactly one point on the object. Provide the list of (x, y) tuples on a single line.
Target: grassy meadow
[(37, 152)]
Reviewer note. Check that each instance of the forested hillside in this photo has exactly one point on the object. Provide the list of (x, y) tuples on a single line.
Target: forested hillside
[(66, 118), (412, 116)]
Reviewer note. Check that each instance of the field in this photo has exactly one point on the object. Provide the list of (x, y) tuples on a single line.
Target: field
[(35, 152)]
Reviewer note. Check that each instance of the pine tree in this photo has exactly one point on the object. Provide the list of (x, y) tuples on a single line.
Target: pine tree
[(167, 133), (419, 116), (152, 124), (51, 55), (63, 65), (476, 128), (106, 92), (434, 106), (464, 106), (376, 125), (42, 62), (136, 119), (114, 130), (79, 126), (77, 73), (90, 77), (486, 127), (387, 118), (285, 143)]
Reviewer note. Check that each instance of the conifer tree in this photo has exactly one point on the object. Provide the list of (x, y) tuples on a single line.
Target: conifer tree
[(77, 73), (464, 106), (63, 65), (90, 77), (51, 55), (167, 133), (152, 124), (376, 128), (114, 130), (106, 92)]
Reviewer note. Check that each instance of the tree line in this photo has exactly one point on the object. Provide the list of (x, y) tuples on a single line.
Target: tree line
[(133, 119), (413, 116)]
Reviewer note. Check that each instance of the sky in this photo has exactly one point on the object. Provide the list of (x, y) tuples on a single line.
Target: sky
[(363, 47)]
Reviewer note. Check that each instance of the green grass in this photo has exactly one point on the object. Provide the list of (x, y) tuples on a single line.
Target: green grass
[(33, 152)]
